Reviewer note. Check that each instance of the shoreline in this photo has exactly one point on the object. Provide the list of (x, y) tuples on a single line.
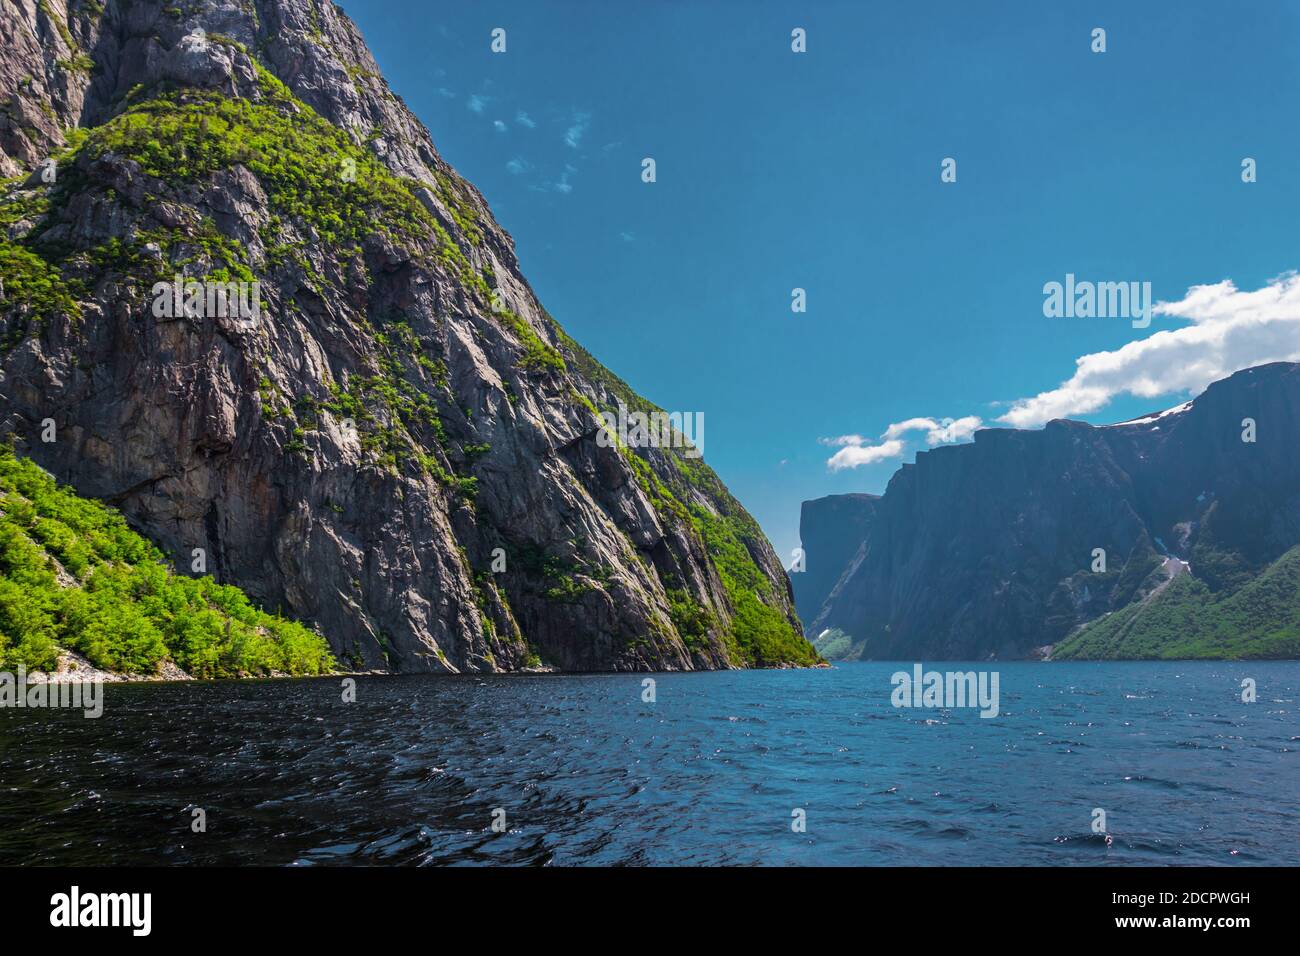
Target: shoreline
[(73, 668), (81, 671)]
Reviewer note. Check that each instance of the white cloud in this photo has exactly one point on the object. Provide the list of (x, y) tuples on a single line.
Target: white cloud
[(1229, 330), (911, 425), (958, 429), (518, 165), (573, 135), (853, 456), (954, 430), (499, 126), (944, 431), (523, 119), (561, 185), (477, 103), (854, 450), (843, 440)]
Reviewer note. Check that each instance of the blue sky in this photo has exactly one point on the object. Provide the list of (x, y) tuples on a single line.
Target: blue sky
[(821, 171)]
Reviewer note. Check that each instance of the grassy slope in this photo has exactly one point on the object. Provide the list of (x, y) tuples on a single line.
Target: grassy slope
[(1261, 619), (73, 575)]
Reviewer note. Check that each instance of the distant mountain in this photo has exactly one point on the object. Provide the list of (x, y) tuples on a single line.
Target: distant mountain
[(995, 548), (832, 531)]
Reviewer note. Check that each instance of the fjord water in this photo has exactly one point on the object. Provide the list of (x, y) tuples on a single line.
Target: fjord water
[(710, 773)]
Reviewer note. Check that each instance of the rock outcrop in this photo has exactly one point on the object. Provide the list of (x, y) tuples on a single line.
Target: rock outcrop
[(832, 530), (400, 448), (995, 548)]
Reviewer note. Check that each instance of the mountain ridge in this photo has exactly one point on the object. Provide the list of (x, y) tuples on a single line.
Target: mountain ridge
[(988, 549), (403, 453)]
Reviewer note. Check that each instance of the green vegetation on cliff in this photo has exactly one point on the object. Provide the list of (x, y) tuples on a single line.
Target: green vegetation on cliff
[(319, 185), (73, 575), (313, 174), (326, 198), (1260, 619), (694, 496)]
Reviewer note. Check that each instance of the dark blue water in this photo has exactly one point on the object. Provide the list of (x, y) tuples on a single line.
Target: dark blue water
[(709, 774)]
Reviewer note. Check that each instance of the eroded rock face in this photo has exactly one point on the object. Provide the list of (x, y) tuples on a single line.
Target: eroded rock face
[(987, 549), (401, 415), (832, 531)]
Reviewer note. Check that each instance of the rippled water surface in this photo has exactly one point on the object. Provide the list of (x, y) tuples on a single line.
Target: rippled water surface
[(710, 773)]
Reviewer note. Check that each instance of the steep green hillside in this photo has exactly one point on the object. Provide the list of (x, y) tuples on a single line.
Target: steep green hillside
[(73, 575), (399, 416), (1187, 620), (693, 494)]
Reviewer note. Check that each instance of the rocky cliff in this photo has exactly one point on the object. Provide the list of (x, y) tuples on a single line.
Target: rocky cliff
[(1169, 535), (831, 532), (398, 447)]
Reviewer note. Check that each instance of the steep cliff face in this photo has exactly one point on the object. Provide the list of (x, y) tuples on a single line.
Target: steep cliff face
[(400, 448), (989, 549), (831, 532)]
